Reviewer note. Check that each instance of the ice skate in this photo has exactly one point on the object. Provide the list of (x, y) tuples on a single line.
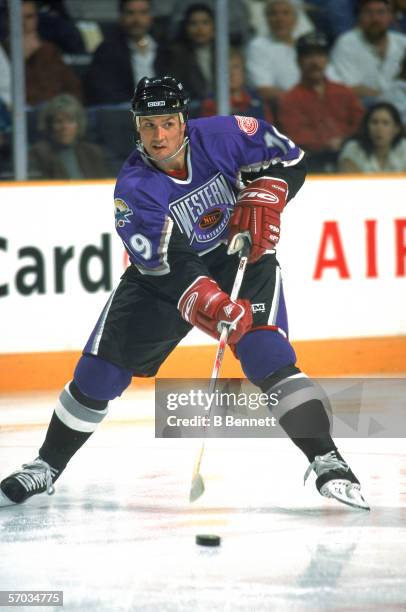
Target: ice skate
[(336, 480), (33, 478)]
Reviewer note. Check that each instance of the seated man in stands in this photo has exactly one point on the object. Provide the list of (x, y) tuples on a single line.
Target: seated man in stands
[(368, 57), (318, 114), (127, 54)]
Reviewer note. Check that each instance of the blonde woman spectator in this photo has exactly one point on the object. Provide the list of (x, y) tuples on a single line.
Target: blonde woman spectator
[(271, 60), (62, 154), (380, 145)]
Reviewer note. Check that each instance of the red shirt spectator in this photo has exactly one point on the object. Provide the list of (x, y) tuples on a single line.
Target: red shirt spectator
[(317, 113), (316, 121)]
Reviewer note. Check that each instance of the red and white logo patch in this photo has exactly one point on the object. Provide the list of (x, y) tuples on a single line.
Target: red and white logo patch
[(249, 125)]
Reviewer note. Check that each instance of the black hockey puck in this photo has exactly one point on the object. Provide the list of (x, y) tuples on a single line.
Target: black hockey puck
[(208, 540)]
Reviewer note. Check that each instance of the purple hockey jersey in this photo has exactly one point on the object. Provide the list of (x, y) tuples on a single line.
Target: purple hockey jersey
[(150, 204)]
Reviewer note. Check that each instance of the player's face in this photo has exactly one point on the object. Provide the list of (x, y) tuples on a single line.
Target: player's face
[(64, 129), (136, 18), (382, 128), (200, 28), (281, 18), (161, 135), (375, 19), (313, 66)]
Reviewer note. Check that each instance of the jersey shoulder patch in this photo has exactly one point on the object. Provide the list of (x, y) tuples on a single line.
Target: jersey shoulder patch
[(122, 212), (249, 125)]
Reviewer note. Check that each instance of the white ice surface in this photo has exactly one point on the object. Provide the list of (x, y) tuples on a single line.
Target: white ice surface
[(119, 533)]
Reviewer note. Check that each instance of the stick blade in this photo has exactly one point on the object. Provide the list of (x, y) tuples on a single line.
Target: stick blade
[(197, 488)]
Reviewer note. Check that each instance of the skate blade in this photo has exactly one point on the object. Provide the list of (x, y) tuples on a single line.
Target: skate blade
[(345, 492), (197, 488)]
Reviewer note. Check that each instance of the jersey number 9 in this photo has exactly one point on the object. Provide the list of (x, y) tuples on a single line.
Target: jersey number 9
[(141, 246)]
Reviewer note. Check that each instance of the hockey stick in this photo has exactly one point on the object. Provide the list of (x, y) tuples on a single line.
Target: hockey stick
[(197, 487)]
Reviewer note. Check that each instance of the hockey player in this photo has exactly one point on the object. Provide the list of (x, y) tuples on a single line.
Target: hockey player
[(182, 200)]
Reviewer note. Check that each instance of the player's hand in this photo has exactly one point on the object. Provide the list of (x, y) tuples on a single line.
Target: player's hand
[(257, 215), (205, 305)]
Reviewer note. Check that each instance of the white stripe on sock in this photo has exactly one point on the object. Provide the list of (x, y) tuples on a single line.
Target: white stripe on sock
[(73, 422)]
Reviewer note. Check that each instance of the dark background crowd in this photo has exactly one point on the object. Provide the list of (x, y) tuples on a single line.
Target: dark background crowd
[(331, 74)]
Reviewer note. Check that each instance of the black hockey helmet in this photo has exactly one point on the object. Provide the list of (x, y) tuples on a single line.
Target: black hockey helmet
[(159, 96)]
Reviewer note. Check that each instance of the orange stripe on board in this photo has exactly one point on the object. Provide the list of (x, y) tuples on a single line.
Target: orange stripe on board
[(346, 357), (111, 181)]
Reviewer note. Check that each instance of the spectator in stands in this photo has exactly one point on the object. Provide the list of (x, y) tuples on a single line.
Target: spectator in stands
[(238, 22), (271, 60), (282, 17), (262, 27), (46, 75), (191, 57), (380, 145), (242, 100), (127, 54), (62, 154), (396, 92), (368, 57), (317, 113)]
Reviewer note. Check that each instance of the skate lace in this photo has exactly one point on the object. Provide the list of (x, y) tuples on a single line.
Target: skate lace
[(325, 463), (37, 474)]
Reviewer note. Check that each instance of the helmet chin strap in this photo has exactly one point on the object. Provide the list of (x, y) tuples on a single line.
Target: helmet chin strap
[(142, 150)]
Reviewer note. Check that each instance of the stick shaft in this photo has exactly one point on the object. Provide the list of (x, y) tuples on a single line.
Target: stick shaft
[(221, 347)]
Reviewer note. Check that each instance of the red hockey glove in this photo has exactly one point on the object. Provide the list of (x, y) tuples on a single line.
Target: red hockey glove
[(257, 215), (205, 305)]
